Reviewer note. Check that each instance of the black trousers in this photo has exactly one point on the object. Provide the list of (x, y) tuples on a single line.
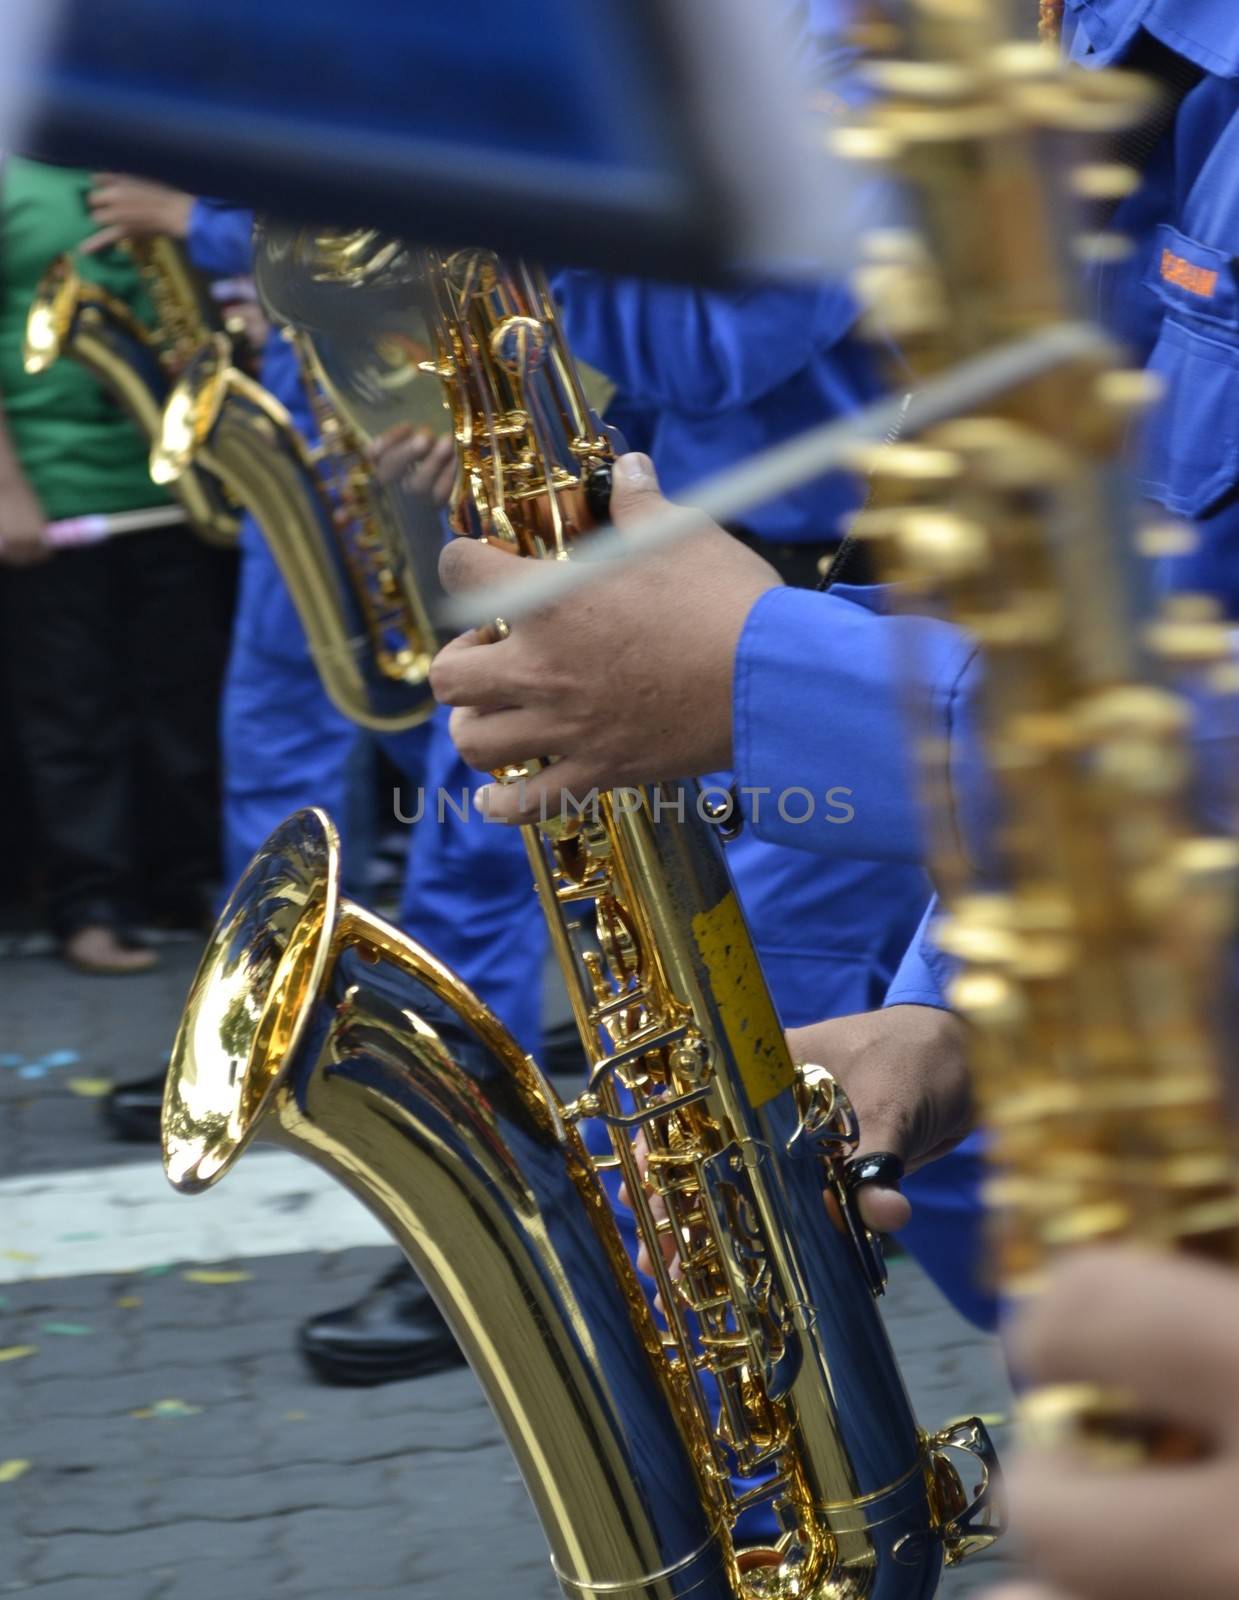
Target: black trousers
[(113, 657)]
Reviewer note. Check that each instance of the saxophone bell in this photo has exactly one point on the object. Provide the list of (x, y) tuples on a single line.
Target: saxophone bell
[(314, 1025), (192, 410), (51, 315)]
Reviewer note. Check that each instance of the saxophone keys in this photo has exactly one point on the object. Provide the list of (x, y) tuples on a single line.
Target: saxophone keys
[(970, 1519), (519, 345)]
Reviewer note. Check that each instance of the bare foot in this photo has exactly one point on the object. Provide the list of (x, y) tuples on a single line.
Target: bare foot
[(101, 950)]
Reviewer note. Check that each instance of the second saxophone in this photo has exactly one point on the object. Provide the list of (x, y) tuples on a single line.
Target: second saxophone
[(354, 556)]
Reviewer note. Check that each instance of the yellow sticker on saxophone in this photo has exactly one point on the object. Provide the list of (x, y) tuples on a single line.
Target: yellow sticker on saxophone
[(745, 1007)]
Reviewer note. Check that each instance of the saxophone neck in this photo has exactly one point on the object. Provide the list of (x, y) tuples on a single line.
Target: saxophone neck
[(340, 448), (185, 315), (535, 458)]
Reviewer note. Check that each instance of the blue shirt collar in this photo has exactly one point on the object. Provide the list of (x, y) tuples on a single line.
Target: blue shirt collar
[(1205, 32)]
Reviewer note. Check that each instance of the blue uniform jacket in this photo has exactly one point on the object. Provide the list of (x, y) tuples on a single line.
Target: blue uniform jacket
[(722, 375), (706, 378), (1176, 300), (842, 664)]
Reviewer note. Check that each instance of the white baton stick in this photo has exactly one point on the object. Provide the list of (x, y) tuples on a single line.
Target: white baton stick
[(71, 532)]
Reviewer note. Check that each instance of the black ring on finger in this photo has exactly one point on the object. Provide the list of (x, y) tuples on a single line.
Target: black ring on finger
[(882, 1167)]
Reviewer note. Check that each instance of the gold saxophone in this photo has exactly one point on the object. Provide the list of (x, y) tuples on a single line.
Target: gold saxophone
[(137, 364), (358, 560), (1095, 979), (772, 1383)]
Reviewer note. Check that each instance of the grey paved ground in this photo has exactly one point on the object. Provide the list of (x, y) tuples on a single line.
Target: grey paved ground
[(116, 1029), (163, 1442)]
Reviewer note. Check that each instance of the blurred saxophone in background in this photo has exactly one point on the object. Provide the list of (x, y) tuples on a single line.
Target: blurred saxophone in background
[(138, 364), (314, 1024), (359, 557), (1095, 978)]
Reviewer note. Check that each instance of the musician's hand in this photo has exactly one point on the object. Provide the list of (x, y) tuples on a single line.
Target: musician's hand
[(23, 526), (122, 206), (246, 320), (1162, 1330), (627, 682), (906, 1074), (417, 460)]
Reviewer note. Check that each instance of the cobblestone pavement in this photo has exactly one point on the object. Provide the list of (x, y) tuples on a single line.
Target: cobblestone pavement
[(159, 1439)]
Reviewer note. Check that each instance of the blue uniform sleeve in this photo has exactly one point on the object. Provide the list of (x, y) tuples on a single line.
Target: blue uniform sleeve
[(220, 240), (833, 693), (924, 973), (827, 691), (694, 350)]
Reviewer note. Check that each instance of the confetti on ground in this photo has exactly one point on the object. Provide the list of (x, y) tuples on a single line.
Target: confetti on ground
[(296, 1416), (39, 1066), (157, 1271), (15, 1352), (18, 1255), (203, 1276), (128, 1301), (75, 1329), (60, 1058), (10, 1471), (167, 1408), (91, 1088), (75, 1238)]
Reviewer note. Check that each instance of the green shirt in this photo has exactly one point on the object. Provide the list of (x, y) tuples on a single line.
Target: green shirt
[(80, 452)]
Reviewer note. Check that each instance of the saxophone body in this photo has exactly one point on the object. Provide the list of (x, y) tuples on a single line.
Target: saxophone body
[(136, 364), (1096, 975), (346, 559), (793, 1396)]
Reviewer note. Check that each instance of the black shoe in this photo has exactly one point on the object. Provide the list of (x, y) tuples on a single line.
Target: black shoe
[(132, 1110), (395, 1331)]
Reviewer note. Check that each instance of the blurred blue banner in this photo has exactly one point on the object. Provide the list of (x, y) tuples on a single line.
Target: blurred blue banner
[(572, 129)]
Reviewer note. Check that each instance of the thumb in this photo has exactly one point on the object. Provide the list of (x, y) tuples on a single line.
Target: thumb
[(861, 1066), (634, 489), (472, 563), (881, 1205)]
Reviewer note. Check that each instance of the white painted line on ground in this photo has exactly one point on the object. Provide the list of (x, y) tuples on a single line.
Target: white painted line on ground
[(126, 1218)]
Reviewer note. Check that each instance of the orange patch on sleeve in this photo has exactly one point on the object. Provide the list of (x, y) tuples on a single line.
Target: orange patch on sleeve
[(1187, 275)]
